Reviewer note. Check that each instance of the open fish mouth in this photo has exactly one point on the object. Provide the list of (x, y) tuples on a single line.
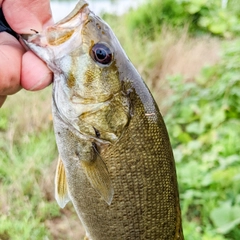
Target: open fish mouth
[(63, 31)]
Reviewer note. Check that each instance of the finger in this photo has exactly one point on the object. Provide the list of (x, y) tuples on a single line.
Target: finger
[(11, 53), (24, 15), (34, 75)]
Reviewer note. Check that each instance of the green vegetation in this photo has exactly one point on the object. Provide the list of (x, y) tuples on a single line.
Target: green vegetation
[(23, 205), (28, 158), (204, 125), (201, 110), (202, 16)]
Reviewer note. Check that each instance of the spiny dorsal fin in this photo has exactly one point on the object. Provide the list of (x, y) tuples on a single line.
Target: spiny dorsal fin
[(98, 175), (61, 188)]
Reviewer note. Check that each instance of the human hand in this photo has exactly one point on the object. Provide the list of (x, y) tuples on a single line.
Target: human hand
[(18, 67)]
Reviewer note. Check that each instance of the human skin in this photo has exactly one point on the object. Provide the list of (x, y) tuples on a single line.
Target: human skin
[(20, 68)]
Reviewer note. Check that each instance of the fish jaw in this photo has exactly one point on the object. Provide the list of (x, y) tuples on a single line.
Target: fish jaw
[(59, 40)]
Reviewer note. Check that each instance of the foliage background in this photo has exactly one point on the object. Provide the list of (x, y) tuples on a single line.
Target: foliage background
[(188, 51)]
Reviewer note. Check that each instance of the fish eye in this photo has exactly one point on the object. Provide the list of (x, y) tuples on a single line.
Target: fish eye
[(102, 54)]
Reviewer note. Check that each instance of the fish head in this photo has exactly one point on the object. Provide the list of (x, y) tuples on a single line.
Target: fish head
[(83, 48), (88, 65)]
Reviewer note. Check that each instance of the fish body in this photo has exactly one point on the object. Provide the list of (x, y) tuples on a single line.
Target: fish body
[(116, 163)]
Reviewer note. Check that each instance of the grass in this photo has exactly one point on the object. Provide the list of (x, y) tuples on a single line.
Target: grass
[(27, 167), (202, 119)]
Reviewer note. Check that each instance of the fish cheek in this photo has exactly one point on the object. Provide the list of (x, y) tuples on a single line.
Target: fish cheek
[(102, 81), (110, 77), (110, 119), (112, 115)]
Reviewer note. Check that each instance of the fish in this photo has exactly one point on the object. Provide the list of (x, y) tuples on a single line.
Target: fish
[(116, 163)]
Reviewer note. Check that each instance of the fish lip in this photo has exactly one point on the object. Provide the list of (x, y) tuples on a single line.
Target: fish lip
[(81, 5)]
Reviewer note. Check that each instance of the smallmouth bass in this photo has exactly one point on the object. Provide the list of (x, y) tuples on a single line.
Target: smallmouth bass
[(116, 163)]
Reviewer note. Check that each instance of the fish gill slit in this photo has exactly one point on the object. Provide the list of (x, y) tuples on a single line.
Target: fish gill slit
[(97, 133), (95, 149)]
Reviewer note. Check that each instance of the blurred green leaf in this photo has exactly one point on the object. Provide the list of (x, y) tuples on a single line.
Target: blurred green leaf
[(225, 217)]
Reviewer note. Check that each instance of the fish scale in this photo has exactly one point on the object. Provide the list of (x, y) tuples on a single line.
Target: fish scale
[(116, 163)]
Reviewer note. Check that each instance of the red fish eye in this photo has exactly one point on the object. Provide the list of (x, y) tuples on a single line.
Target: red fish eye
[(102, 54)]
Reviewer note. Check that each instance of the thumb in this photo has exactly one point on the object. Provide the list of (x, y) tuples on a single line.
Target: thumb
[(24, 15)]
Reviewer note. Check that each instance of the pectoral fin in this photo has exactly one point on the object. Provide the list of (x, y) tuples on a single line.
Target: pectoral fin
[(61, 188), (98, 175)]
